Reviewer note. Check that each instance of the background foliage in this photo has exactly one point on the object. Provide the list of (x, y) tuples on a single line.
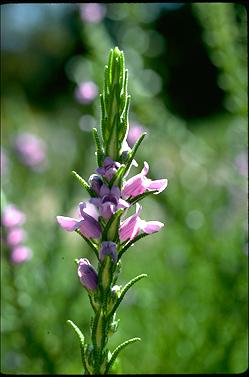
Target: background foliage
[(188, 82)]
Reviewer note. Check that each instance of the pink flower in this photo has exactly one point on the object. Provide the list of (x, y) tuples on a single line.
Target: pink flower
[(131, 227), (15, 236), (109, 169), (134, 133), (92, 12), (31, 150), (109, 201), (140, 183), (87, 224), (12, 216), (86, 92), (20, 254)]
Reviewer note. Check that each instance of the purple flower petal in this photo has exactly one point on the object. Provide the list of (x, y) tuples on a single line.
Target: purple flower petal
[(68, 223), (134, 186), (100, 171), (130, 227), (140, 183), (88, 208), (151, 226), (123, 204), (145, 168), (96, 201), (90, 229), (115, 190), (107, 210), (159, 184), (88, 226), (108, 162), (104, 190), (109, 169)]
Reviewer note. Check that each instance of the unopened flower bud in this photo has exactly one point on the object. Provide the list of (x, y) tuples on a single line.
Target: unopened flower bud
[(95, 183), (87, 274), (108, 257), (115, 293), (108, 248), (114, 325)]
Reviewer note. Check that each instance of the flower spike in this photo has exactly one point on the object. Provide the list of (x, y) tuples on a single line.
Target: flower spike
[(102, 220)]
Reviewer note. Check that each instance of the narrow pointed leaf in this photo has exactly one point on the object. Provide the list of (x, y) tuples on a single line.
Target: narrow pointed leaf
[(134, 150), (124, 118), (110, 62), (141, 196), (130, 243), (81, 340), (112, 222), (117, 176), (90, 243), (125, 289), (106, 81), (99, 149), (122, 64), (84, 184), (117, 351)]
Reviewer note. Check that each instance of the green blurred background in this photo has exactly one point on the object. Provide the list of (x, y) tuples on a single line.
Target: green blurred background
[(188, 82)]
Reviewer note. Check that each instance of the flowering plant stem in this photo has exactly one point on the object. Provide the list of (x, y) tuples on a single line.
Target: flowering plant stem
[(103, 223)]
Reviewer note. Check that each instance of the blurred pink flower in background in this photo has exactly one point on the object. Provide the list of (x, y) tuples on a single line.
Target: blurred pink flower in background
[(31, 150), (86, 92), (92, 12), (134, 133), (12, 216), (14, 235), (20, 254)]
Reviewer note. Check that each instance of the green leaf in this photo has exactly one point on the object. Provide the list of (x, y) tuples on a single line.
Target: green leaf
[(134, 150), (114, 104), (130, 243), (117, 176), (122, 70), (98, 333), (81, 340), (124, 120), (106, 81), (103, 116), (112, 226), (110, 62), (117, 351), (111, 148), (141, 196), (90, 243), (125, 289), (84, 184), (99, 149)]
